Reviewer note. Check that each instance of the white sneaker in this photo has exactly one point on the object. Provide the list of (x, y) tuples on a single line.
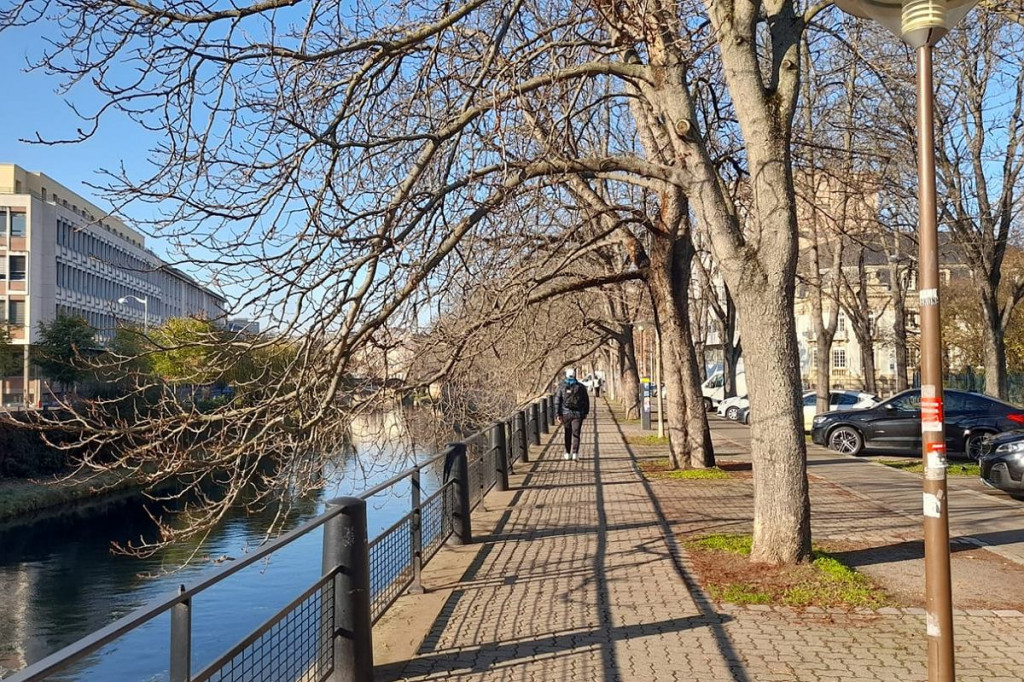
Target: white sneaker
[(575, 456), (566, 456)]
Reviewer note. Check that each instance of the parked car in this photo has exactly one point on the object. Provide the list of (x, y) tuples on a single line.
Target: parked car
[(744, 417), (837, 400), (895, 424), (713, 389), (730, 407), (1002, 462)]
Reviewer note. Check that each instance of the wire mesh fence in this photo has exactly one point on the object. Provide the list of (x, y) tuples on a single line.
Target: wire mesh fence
[(391, 566), (438, 514), (293, 645), (476, 452)]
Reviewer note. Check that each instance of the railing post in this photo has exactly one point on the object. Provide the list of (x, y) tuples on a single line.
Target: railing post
[(500, 449), (181, 640), (535, 424), (345, 551), (510, 444), (456, 468), (545, 427), (520, 431), (417, 536)]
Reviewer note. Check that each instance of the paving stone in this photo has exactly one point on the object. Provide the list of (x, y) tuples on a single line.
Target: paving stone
[(586, 582)]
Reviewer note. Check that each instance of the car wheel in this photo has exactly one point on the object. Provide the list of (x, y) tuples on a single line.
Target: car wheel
[(746, 418), (974, 445), (846, 440), (707, 405), (732, 413)]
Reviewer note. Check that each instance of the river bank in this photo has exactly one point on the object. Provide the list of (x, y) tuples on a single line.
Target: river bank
[(24, 500)]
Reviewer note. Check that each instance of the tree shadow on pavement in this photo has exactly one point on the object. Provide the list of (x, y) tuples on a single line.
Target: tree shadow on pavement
[(708, 615)]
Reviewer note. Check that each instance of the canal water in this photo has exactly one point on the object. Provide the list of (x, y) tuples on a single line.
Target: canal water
[(59, 579)]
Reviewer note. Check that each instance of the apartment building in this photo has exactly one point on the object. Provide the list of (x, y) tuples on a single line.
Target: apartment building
[(62, 255)]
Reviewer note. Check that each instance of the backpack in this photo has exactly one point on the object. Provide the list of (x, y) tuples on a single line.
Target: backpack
[(574, 397)]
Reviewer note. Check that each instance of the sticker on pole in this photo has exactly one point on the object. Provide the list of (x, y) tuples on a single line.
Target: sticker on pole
[(931, 413), (932, 624), (929, 296), (935, 461), (932, 506)]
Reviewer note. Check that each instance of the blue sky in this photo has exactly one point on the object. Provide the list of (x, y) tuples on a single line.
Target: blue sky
[(34, 105)]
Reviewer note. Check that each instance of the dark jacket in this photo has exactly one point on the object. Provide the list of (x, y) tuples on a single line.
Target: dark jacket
[(560, 402)]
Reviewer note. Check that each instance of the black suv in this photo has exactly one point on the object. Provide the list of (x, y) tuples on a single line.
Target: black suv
[(895, 424), (1002, 462)]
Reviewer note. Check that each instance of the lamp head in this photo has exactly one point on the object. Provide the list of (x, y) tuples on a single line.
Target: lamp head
[(122, 301), (916, 22)]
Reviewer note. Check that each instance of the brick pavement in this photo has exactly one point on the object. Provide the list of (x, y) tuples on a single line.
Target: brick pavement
[(584, 581)]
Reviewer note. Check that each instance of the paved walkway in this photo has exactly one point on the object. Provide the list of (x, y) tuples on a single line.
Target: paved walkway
[(584, 581)]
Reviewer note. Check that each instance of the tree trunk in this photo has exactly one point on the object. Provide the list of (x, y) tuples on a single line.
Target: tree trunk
[(730, 351), (996, 383), (689, 434), (629, 376), (611, 372), (782, 511), (899, 333), (867, 364), (822, 367), (824, 332)]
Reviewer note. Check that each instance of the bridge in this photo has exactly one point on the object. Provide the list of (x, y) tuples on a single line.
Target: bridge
[(524, 566)]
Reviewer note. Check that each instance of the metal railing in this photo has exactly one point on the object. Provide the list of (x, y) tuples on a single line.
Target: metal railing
[(325, 634)]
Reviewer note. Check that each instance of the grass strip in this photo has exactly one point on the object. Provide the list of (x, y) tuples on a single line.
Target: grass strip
[(659, 469), (825, 582), (647, 440), (915, 466)]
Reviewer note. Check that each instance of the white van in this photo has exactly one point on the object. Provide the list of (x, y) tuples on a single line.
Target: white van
[(714, 388)]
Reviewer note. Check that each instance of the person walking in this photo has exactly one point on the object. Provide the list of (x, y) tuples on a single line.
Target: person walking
[(572, 405)]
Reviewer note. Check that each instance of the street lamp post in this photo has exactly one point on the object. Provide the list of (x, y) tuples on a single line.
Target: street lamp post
[(922, 24), (145, 308)]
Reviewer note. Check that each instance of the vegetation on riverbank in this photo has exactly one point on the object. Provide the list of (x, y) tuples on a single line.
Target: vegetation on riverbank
[(20, 497)]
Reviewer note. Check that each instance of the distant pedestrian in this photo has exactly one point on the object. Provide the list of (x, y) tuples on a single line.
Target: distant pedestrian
[(572, 405)]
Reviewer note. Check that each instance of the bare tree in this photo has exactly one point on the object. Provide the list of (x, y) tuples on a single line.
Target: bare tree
[(328, 164), (980, 164)]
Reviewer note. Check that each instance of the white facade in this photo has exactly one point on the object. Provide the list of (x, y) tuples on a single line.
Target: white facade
[(61, 255)]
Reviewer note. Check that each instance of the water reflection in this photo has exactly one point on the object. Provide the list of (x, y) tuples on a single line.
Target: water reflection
[(59, 579)]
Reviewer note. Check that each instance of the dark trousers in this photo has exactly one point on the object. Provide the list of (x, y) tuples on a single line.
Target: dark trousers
[(572, 426)]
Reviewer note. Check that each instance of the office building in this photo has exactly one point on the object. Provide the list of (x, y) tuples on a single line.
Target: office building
[(61, 255)]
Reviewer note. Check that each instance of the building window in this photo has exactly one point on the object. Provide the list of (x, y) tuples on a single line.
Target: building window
[(841, 322), (839, 359), (16, 313), (892, 360), (17, 270), (18, 226)]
